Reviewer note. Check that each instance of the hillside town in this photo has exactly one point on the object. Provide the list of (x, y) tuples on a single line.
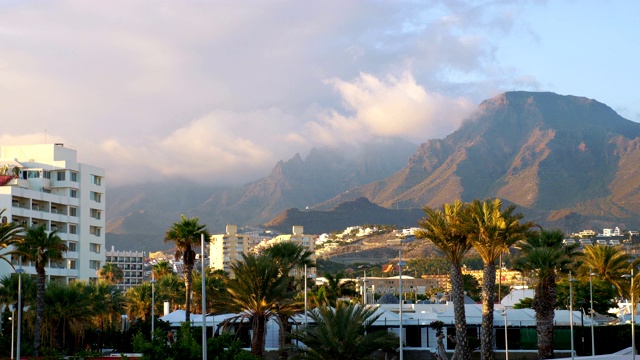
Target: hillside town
[(403, 276)]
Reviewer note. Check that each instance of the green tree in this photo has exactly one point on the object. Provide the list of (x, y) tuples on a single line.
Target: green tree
[(40, 248), (344, 332), (608, 263), (543, 254), (215, 287), (69, 310), (336, 287), (138, 302), (445, 229), (111, 273), (492, 231), (186, 235), (9, 236), (258, 292), (161, 269), (169, 288)]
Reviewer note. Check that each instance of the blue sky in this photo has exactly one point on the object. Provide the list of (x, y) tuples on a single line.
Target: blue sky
[(219, 91)]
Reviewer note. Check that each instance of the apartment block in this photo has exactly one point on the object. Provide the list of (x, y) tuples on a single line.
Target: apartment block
[(297, 236), (132, 265), (227, 248), (46, 185)]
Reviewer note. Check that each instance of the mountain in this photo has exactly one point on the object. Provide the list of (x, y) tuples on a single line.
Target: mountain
[(138, 213), (565, 161)]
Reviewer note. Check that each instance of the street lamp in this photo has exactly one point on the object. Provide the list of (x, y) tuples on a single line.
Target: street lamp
[(13, 316), (633, 320), (204, 299), (153, 304), (305, 296), (400, 265), (506, 337), (19, 272), (582, 303), (571, 313), (593, 343)]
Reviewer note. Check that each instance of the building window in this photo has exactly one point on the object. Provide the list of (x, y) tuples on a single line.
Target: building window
[(73, 211), (72, 264), (73, 229), (96, 180), (94, 213), (73, 193), (94, 230), (93, 247), (46, 174), (94, 264), (95, 196), (60, 176), (72, 245), (74, 176)]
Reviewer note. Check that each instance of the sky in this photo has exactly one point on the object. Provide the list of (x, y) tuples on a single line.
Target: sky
[(219, 91)]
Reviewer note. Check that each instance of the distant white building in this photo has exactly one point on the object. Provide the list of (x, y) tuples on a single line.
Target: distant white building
[(47, 186), (132, 265)]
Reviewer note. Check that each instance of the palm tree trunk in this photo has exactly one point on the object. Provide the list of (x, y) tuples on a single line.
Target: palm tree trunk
[(257, 341), (544, 305), (39, 309), (462, 351), (488, 287), (187, 287)]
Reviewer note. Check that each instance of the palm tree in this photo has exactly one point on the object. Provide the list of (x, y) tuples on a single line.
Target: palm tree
[(186, 235), (343, 333), (138, 300), (492, 231), (336, 287), (170, 288), (609, 263), (544, 254), (444, 229), (9, 233), (215, 286), (258, 292), (40, 248), (289, 257), (161, 269), (111, 273), (69, 310)]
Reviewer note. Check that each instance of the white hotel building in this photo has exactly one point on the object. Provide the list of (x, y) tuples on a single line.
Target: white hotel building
[(49, 187)]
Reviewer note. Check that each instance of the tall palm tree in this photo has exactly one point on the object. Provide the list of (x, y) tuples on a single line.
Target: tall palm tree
[(9, 235), (492, 231), (343, 332), (258, 293), (290, 259), (161, 269), (544, 254), (186, 234), (111, 273), (444, 229), (609, 263), (214, 284), (40, 248)]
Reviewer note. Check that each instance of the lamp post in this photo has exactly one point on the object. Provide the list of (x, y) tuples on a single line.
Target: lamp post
[(19, 272), (506, 337), (400, 265), (13, 316), (633, 320), (571, 313), (305, 296), (593, 343), (204, 299), (153, 304)]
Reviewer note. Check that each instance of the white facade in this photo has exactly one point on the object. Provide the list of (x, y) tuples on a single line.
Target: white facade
[(52, 189), (225, 249), (132, 265)]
